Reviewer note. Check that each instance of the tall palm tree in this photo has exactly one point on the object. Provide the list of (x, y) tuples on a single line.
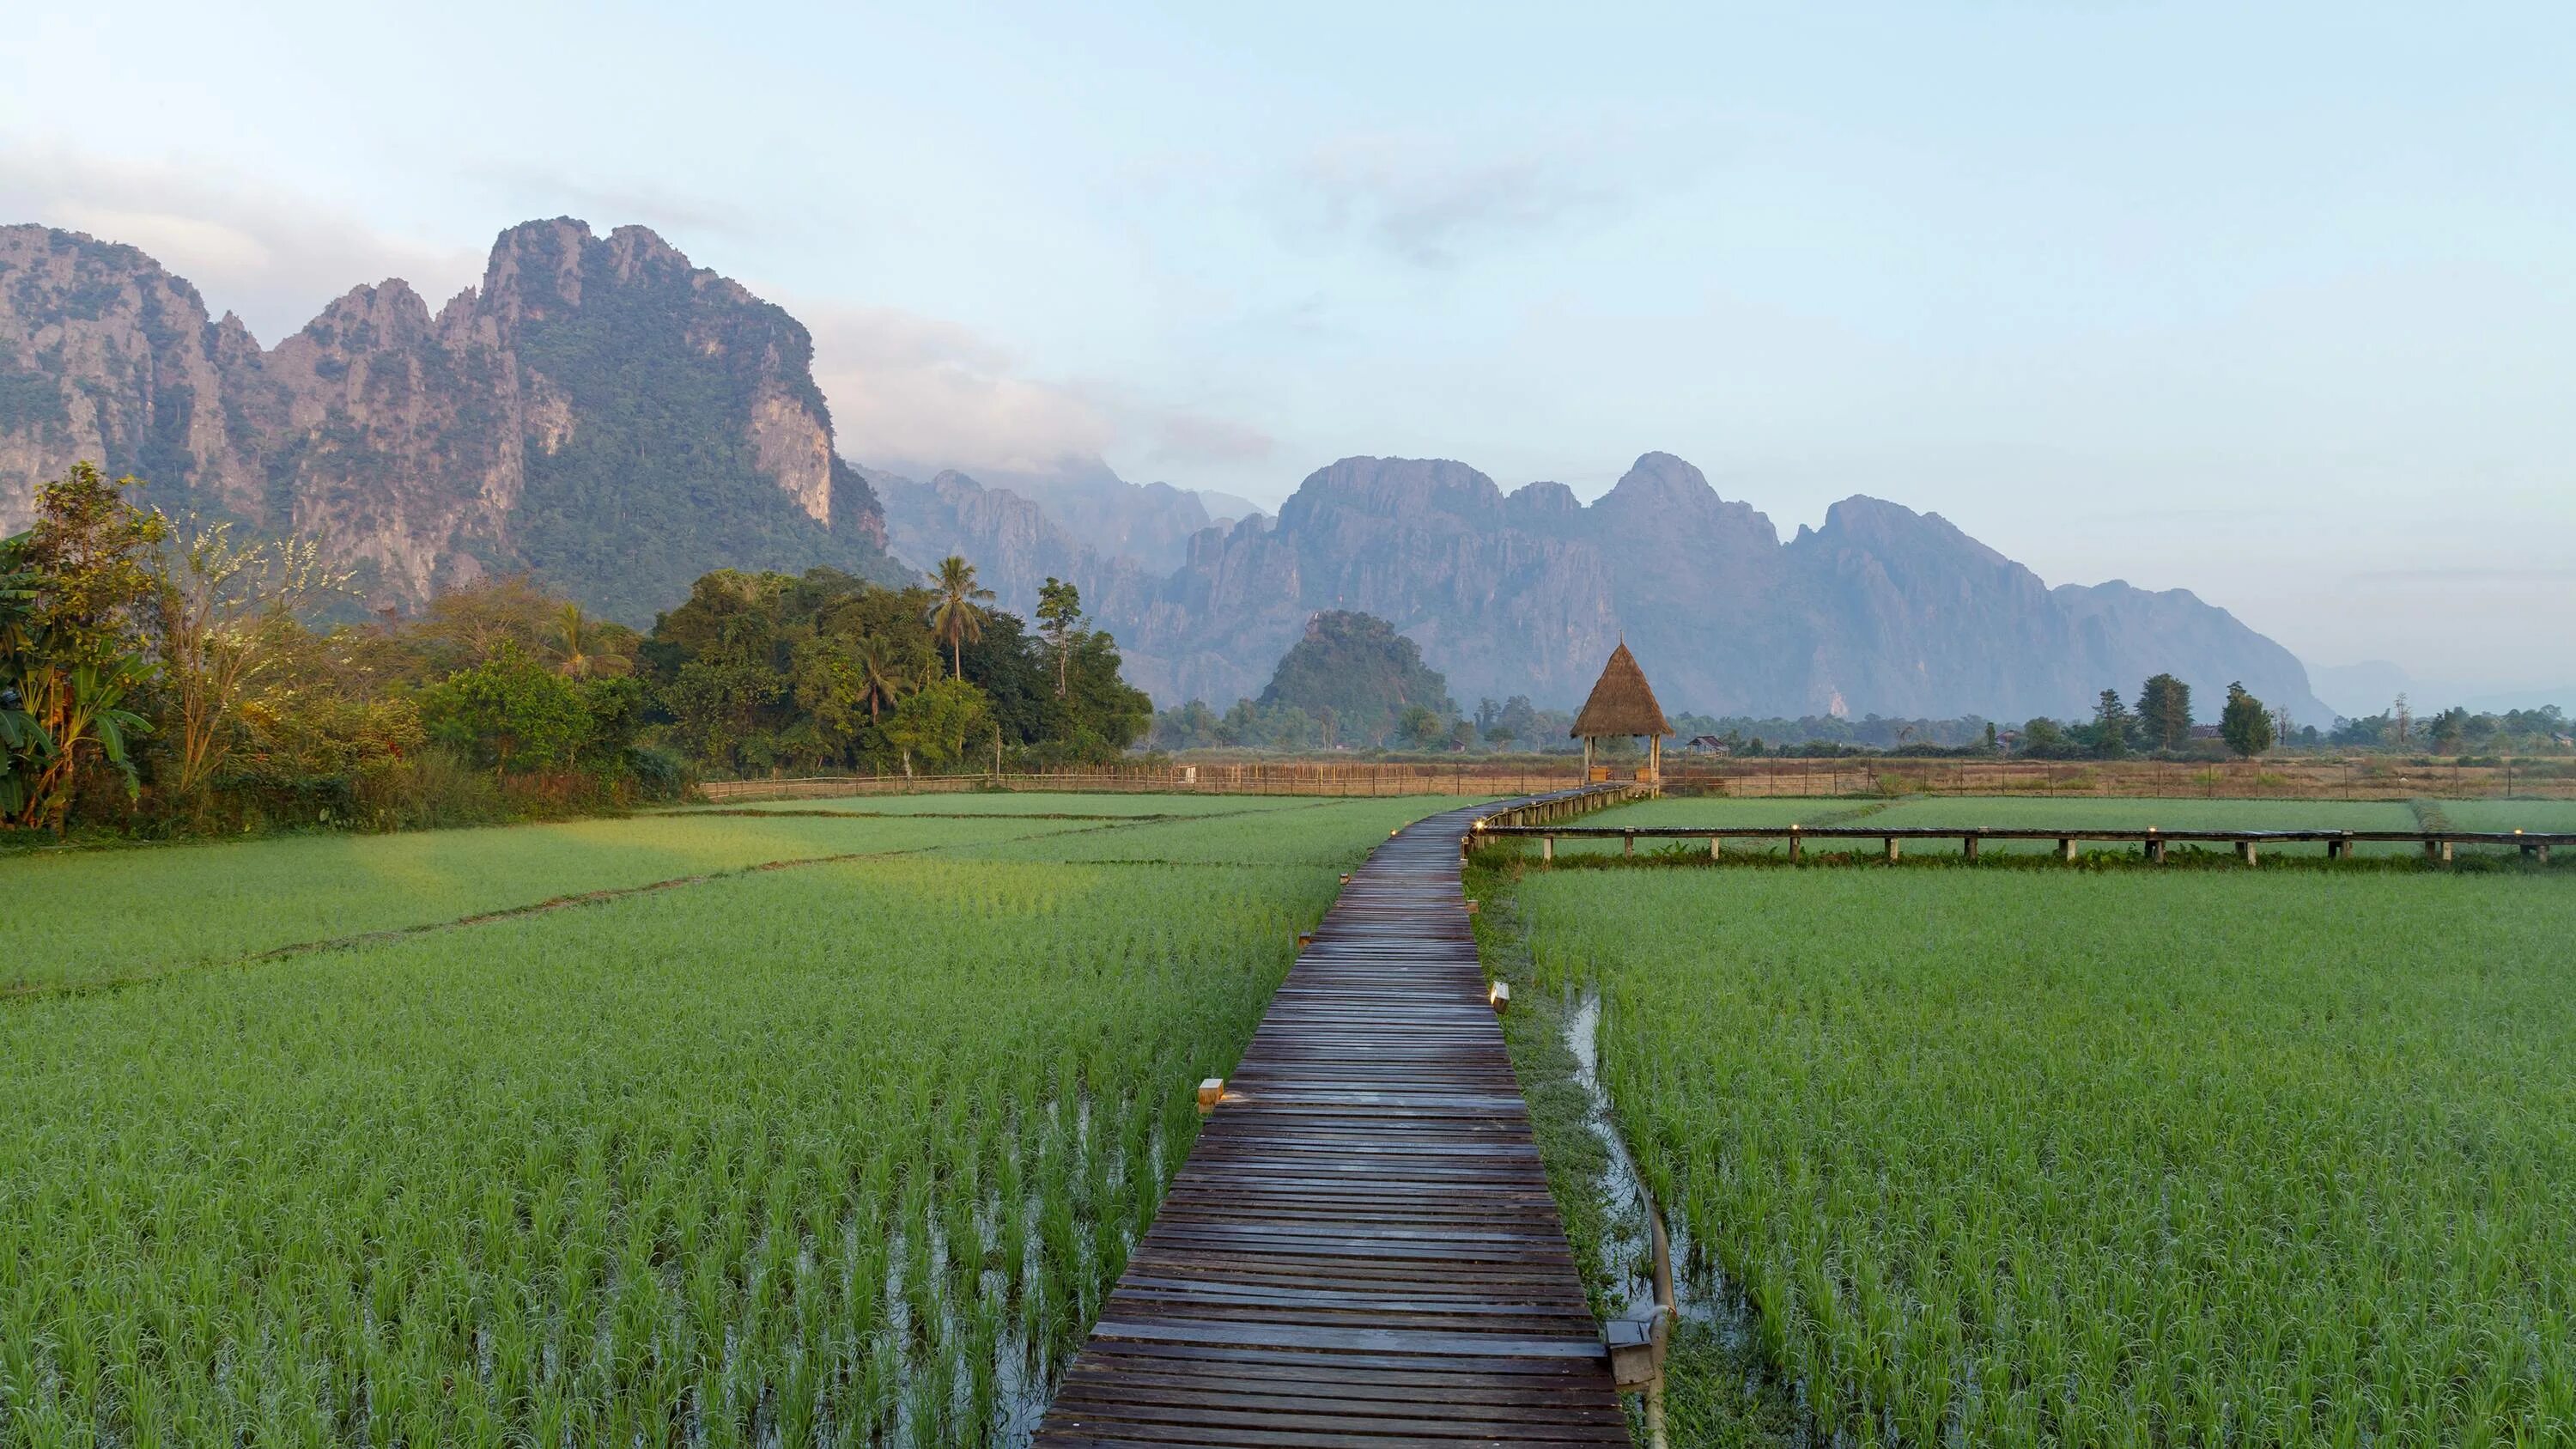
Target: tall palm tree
[(957, 614), (579, 650), (882, 676)]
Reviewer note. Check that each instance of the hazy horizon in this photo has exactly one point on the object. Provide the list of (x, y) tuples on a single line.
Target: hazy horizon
[(2279, 308)]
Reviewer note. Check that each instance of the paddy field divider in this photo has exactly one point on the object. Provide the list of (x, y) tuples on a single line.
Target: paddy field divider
[(2436, 845)]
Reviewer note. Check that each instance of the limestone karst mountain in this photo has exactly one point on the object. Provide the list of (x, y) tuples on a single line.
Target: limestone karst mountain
[(619, 421), (1151, 523), (598, 411), (1881, 610)]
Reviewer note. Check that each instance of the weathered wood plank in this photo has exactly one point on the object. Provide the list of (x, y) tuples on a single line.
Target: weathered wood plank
[(1361, 1249)]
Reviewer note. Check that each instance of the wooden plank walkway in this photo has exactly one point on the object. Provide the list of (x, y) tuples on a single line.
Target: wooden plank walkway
[(1361, 1249)]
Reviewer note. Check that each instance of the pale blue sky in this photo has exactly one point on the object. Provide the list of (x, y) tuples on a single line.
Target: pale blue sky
[(2273, 302)]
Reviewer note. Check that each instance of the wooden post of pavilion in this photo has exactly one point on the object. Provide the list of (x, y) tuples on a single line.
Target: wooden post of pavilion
[(1623, 703)]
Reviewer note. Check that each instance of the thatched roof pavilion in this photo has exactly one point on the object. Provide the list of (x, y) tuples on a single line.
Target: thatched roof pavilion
[(1623, 704)]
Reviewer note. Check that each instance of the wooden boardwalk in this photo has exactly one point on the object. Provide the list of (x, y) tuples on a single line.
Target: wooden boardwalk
[(1361, 1249)]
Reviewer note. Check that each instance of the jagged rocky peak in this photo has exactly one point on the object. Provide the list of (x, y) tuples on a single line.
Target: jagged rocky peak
[(1889, 529), (1149, 524), (1534, 502), (600, 411), (1663, 478), (632, 249), (1399, 488), (538, 267), (1660, 492), (106, 356), (2120, 593), (532, 263), (366, 318)]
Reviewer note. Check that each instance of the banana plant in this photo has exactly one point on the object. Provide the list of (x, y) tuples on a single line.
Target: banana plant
[(52, 716), (24, 741), (78, 711)]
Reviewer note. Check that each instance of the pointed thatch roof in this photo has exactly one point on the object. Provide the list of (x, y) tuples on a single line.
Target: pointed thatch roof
[(1622, 703)]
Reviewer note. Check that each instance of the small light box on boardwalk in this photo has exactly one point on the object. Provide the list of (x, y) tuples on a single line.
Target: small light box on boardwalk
[(1305, 939), (1636, 1353), (1500, 997), (1211, 1092)]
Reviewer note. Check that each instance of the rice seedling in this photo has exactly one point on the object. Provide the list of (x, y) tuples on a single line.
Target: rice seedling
[(1964, 812), (1014, 803), (1683, 811), (2552, 815), (851, 1152), (1687, 810), (2067, 1157), (1326, 832), (88, 915), (2017, 812)]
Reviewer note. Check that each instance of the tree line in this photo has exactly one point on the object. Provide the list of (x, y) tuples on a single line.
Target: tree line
[(1355, 684), (2458, 731), (163, 675), (2159, 723)]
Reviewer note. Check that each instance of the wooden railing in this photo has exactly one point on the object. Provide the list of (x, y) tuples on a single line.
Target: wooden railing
[(2436, 844), (2282, 778), (2278, 777), (1283, 778), (1538, 810)]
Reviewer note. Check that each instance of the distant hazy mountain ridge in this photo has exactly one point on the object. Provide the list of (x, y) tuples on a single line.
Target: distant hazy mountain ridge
[(1014, 543), (598, 410), (1151, 523), (1882, 610)]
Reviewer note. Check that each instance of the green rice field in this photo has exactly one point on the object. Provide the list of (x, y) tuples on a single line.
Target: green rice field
[(88, 915), (2069, 1157), (125, 914), (1313, 833), (833, 1121), (846, 1152), (2023, 812), (1007, 803), (1684, 811), (2552, 815), (2110, 814)]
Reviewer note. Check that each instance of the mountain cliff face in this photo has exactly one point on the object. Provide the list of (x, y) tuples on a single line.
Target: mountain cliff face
[(1014, 543), (1083, 502), (605, 414), (598, 411), (1881, 610)]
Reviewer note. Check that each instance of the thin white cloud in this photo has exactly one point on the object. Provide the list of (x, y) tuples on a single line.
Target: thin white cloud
[(275, 258), (925, 392), (1431, 203), (917, 389)]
